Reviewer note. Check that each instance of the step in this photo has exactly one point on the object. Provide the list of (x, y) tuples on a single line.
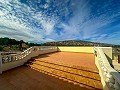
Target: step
[(60, 72), (73, 70), (73, 66)]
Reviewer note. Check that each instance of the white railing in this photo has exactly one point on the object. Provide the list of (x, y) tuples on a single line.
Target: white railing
[(23, 56), (110, 77), (11, 58)]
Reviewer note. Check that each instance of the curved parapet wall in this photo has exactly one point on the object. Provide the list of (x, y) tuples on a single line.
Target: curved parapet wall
[(11, 61), (110, 78)]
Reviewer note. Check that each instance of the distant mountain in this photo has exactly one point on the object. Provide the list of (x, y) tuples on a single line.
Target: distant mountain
[(78, 43)]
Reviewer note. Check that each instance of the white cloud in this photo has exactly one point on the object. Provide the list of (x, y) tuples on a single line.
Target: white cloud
[(20, 21), (46, 23), (19, 27), (85, 26), (46, 6), (73, 29)]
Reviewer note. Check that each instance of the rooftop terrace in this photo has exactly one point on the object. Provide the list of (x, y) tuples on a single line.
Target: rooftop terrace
[(50, 68), (45, 73)]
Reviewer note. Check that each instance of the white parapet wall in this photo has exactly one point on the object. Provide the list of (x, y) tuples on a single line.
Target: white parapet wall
[(11, 61), (110, 78)]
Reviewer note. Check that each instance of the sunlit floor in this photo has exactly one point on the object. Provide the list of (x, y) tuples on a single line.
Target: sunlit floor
[(51, 74), (71, 58)]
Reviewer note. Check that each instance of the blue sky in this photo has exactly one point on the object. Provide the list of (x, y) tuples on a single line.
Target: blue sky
[(55, 20)]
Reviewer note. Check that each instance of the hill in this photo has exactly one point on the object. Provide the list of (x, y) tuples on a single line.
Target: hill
[(78, 43)]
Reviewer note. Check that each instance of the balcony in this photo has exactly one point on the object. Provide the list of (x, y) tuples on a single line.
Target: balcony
[(58, 68)]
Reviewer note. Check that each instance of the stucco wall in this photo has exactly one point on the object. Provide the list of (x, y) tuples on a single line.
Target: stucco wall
[(77, 49), (10, 65)]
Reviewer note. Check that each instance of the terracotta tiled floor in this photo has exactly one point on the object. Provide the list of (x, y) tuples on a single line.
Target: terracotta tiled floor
[(76, 59), (24, 78)]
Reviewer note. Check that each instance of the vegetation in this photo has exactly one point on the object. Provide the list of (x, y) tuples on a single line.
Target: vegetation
[(7, 44)]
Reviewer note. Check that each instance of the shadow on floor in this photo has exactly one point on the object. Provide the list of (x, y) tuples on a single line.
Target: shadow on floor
[(24, 78)]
